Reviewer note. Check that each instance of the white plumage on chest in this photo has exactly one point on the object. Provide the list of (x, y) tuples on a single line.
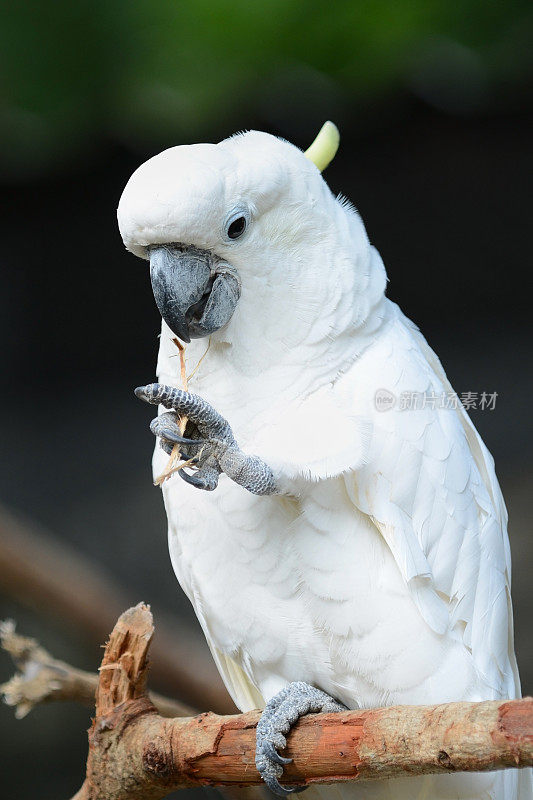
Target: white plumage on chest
[(302, 589)]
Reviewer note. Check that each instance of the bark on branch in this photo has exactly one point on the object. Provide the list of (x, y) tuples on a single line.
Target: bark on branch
[(134, 753)]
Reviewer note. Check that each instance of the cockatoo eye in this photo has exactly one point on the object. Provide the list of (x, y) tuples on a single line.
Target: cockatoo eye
[(236, 226)]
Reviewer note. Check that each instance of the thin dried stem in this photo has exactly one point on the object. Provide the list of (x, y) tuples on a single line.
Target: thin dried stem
[(171, 467), (41, 678)]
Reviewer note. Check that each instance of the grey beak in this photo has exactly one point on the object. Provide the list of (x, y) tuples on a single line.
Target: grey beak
[(195, 294)]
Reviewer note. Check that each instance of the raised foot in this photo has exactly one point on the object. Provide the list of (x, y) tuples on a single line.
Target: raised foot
[(280, 714), (208, 445)]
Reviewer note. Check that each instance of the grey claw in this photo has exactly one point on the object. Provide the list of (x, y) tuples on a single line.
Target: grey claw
[(273, 755), (192, 479), (167, 433), (275, 786), (207, 481)]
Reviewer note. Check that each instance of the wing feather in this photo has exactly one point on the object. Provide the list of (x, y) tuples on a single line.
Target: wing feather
[(430, 488)]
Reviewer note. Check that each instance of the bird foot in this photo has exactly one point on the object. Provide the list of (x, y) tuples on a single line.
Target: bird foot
[(208, 441), (279, 716), (195, 451)]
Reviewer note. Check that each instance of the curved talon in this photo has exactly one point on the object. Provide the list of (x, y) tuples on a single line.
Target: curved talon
[(178, 439), (275, 786), (168, 448), (192, 479), (273, 755), (167, 433), (204, 479)]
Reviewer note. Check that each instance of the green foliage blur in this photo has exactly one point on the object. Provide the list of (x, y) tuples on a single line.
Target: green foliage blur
[(150, 73)]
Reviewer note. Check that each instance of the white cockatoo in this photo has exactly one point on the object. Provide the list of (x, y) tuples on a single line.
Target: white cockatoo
[(352, 549)]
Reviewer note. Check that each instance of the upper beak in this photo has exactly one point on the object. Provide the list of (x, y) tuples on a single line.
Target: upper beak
[(195, 293)]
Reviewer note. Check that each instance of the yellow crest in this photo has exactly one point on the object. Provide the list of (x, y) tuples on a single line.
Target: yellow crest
[(326, 144)]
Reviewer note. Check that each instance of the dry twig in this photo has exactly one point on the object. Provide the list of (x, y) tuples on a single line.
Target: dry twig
[(171, 466), (41, 678)]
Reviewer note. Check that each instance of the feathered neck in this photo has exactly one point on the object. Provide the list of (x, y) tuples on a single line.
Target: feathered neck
[(298, 325)]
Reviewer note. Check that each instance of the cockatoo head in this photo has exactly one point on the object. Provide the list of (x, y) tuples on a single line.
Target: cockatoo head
[(234, 225)]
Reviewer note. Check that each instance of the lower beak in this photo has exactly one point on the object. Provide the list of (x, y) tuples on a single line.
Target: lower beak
[(195, 293)]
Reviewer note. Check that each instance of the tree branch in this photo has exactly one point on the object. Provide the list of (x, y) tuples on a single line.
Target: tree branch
[(44, 679), (134, 753)]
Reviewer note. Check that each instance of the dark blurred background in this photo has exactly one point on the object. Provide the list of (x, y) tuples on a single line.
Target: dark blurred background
[(433, 100)]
